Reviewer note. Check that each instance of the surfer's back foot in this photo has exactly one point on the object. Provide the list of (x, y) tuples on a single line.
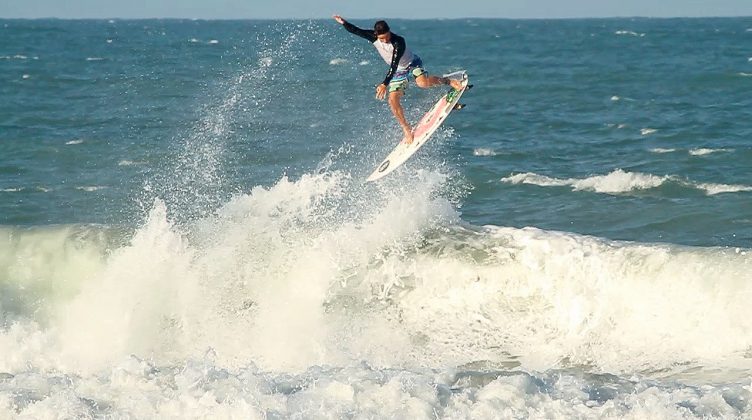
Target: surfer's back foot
[(456, 84), (408, 135)]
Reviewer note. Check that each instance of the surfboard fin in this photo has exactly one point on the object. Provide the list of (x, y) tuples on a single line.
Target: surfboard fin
[(459, 106)]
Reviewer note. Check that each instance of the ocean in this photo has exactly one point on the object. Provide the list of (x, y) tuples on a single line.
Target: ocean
[(185, 230)]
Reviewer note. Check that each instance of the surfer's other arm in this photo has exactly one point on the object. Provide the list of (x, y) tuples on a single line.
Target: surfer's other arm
[(399, 49), (363, 33)]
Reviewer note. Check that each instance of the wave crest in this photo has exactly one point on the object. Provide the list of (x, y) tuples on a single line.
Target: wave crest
[(621, 182)]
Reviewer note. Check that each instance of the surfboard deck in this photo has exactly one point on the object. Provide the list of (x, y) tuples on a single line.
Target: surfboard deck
[(424, 129)]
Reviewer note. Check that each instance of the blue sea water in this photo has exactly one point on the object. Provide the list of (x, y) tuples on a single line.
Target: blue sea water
[(185, 230)]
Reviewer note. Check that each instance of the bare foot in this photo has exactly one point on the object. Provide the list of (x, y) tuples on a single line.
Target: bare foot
[(408, 135), (456, 84)]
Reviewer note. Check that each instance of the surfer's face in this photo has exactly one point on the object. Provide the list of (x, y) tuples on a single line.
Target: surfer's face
[(384, 37)]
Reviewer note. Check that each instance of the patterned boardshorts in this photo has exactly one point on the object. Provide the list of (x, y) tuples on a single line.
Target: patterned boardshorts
[(400, 79)]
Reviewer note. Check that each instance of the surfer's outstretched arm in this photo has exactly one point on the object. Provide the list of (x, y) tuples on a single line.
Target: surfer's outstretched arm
[(363, 33)]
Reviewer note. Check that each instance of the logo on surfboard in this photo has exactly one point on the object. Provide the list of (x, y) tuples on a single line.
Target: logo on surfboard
[(384, 165)]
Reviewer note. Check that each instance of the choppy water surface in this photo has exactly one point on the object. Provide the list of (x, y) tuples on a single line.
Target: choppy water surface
[(185, 231)]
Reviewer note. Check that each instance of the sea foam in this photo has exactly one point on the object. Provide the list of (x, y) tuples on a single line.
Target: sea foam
[(277, 306)]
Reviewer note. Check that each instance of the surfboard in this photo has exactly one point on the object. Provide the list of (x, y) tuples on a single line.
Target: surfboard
[(424, 129)]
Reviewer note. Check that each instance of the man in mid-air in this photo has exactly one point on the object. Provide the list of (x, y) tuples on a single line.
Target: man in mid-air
[(402, 62)]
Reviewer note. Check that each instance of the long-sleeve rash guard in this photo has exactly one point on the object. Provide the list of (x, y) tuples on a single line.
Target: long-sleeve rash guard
[(394, 52)]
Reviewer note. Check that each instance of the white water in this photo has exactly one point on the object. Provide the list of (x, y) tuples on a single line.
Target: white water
[(284, 304)]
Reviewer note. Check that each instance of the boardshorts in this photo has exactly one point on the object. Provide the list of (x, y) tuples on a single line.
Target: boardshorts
[(400, 79)]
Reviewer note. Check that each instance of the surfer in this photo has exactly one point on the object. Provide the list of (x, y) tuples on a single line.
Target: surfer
[(402, 63)]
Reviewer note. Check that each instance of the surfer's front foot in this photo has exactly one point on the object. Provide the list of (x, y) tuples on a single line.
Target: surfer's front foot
[(455, 84), (408, 135)]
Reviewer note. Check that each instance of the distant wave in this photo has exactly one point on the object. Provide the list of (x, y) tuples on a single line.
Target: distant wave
[(631, 33), (337, 61), (92, 188), (615, 182), (72, 142), (484, 152), (713, 189), (694, 152), (126, 162), (745, 74), (706, 151), (94, 58), (647, 131), (17, 57), (620, 182), (19, 189), (617, 126)]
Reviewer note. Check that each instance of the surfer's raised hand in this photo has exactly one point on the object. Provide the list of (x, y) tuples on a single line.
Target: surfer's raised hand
[(339, 19), (381, 91)]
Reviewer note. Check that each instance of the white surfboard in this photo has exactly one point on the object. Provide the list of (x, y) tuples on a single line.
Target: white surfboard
[(423, 130)]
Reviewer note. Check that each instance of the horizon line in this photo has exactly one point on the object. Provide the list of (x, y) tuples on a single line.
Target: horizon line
[(379, 17)]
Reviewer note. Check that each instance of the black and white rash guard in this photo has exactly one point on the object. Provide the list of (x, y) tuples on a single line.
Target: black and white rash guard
[(394, 52)]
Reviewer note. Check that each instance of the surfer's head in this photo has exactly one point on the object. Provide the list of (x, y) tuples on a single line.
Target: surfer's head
[(382, 31)]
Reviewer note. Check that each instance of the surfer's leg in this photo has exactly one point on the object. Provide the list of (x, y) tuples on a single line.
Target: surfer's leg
[(427, 81), (396, 106)]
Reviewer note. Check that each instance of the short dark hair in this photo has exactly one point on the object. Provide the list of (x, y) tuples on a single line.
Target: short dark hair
[(380, 27)]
